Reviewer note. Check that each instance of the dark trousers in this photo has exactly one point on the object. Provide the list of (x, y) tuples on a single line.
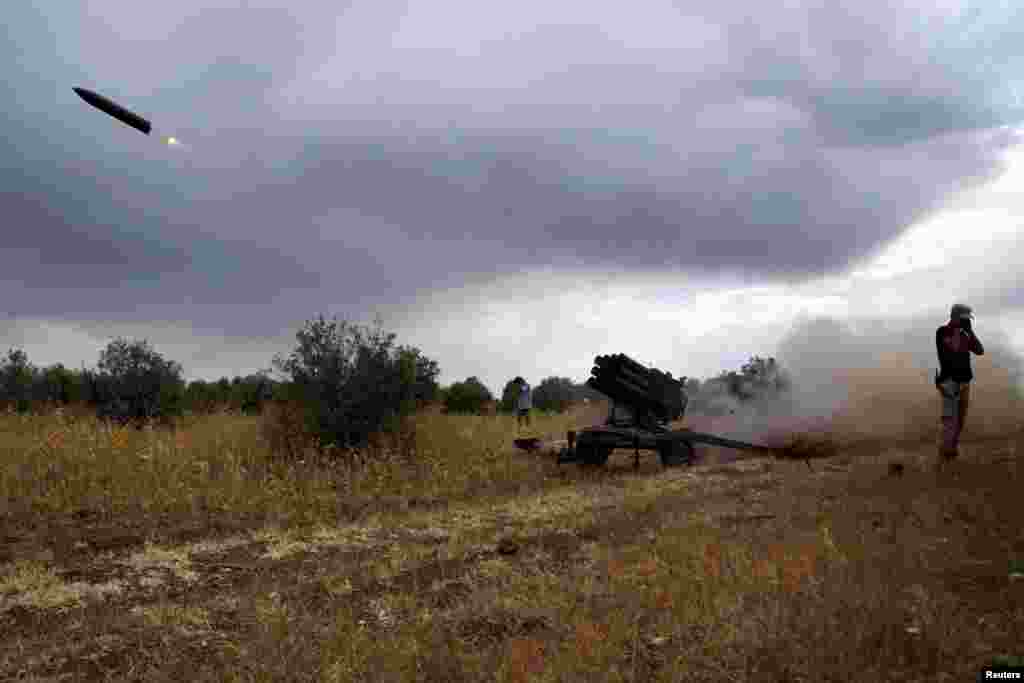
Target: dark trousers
[(954, 414)]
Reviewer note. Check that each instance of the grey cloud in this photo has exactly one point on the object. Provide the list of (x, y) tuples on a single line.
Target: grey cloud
[(879, 77), (812, 213), (71, 251), (783, 146)]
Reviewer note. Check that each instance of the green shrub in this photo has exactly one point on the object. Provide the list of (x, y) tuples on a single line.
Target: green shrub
[(134, 383), (353, 382), (467, 398)]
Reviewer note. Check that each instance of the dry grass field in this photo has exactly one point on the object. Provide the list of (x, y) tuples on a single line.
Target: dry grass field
[(197, 555)]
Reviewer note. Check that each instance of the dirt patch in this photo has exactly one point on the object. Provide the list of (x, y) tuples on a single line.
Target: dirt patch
[(219, 598), (201, 573)]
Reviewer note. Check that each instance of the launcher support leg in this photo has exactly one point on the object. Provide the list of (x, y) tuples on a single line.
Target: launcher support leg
[(571, 437)]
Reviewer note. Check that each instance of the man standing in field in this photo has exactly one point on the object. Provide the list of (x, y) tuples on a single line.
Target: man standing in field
[(524, 401), (955, 342)]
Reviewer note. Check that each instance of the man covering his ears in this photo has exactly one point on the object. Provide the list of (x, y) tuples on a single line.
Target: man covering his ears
[(955, 342)]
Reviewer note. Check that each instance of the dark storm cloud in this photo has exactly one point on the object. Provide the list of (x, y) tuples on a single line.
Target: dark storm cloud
[(90, 247), (814, 211), (782, 145)]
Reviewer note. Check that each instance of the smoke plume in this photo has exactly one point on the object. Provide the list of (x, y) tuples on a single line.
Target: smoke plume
[(872, 382)]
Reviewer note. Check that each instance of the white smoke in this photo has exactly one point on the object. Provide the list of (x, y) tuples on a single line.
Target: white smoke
[(872, 381)]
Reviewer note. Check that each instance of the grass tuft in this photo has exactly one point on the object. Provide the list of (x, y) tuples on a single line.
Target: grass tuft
[(451, 556)]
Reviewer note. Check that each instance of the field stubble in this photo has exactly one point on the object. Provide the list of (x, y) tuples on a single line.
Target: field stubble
[(150, 555)]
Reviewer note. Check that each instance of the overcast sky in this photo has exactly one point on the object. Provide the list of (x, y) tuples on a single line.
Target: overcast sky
[(514, 188)]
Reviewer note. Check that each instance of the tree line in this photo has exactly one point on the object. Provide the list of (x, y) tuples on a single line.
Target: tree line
[(131, 380), (758, 379), (552, 394), (345, 382)]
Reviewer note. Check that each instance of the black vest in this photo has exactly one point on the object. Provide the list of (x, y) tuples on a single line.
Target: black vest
[(952, 365)]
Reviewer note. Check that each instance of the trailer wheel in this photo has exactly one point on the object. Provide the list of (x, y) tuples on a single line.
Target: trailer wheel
[(594, 454), (675, 453)]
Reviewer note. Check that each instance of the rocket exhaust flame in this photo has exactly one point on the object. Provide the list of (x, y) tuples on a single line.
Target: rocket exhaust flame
[(172, 141)]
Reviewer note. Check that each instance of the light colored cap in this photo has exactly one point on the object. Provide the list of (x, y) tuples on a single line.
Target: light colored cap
[(960, 311)]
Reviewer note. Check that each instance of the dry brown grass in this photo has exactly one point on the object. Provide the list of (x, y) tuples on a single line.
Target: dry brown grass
[(56, 466), (199, 555)]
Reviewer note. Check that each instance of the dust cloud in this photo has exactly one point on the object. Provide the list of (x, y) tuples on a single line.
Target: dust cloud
[(873, 382)]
